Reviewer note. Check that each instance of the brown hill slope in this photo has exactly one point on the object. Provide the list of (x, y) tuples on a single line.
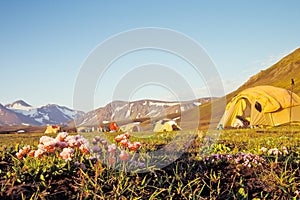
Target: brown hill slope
[(279, 75)]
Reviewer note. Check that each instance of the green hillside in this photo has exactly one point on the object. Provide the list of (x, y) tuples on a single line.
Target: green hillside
[(279, 75)]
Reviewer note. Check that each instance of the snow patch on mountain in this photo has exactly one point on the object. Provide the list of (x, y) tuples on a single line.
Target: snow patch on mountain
[(43, 115)]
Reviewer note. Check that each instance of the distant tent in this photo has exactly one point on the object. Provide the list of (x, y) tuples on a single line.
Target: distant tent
[(113, 127), (84, 129), (262, 106), (166, 126), (52, 129), (132, 127)]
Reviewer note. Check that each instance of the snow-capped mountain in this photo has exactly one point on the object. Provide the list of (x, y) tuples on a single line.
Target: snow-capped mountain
[(20, 112), (19, 105), (8, 117), (142, 109)]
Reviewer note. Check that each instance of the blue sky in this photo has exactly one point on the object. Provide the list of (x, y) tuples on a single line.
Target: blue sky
[(43, 44)]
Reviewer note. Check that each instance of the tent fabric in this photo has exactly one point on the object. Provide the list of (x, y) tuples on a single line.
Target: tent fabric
[(52, 129), (166, 126), (113, 126), (263, 105), (132, 127)]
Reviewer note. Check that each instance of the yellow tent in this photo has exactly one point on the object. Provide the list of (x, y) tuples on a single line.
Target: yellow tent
[(166, 125), (262, 106), (52, 129)]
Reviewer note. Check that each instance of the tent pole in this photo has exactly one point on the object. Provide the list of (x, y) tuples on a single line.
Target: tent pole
[(291, 99)]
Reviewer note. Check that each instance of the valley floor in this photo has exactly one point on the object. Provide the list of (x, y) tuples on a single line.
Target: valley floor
[(228, 164)]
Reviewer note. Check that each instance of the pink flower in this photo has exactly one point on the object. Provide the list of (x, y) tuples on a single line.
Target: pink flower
[(124, 142), (134, 146), (72, 142), (274, 151), (38, 153), (138, 144), (67, 154), (61, 145), (45, 139), (104, 142), (124, 156), (23, 152), (131, 146), (119, 138), (61, 136), (111, 160), (263, 149), (97, 138), (84, 149), (112, 148), (76, 141), (127, 135), (94, 141)]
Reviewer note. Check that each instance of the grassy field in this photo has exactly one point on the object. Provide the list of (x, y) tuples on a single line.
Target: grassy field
[(228, 164)]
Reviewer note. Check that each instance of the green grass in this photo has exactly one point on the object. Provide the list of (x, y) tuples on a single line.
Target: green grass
[(218, 165)]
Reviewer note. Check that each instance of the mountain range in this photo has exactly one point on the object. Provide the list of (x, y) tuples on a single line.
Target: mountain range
[(124, 112), (279, 75), (21, 113)]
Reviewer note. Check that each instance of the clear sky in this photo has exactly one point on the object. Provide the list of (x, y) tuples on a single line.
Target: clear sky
[(43, 44)]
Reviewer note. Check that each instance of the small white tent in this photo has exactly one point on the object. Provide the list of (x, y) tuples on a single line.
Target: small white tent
[(166, 125)]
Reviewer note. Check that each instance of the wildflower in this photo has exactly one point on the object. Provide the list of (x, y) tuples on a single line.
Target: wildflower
[(31, 153), (72, 142), (67, 154), (124, 142), (142, 165), (112, 148), (104, 142), (138, 144), (41, 146), (45, 139), (139, 164), (61, 144), (131, 147), (111, 160), (119, 138), (134, 146), (274, 151), (23, 152), (97, 138), (94, 141), (92, 158), (96, 149), (84, 149), (127, 135), (77, 163), (81, 165), (80, 140), (61, 136), (124, 156), (38, 153), (263, 149)]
